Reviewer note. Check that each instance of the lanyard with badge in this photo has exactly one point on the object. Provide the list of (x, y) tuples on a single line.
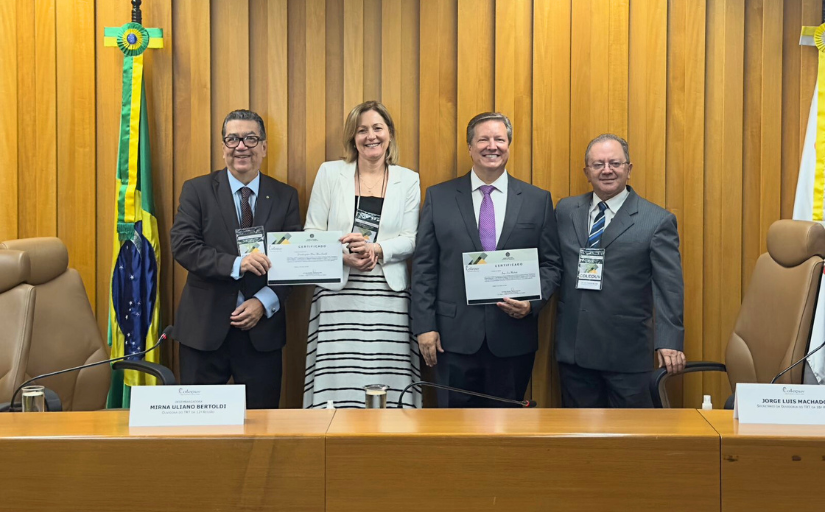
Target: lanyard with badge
[(366, 222), (590, 269)]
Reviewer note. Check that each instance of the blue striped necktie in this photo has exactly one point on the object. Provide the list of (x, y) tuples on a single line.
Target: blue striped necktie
[(598, 227)]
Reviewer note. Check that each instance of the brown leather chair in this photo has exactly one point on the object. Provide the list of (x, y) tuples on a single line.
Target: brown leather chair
[(16, 318), (773, 329), (65, 332)]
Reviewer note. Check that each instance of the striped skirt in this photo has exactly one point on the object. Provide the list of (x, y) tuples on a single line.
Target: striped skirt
[(357, 336)]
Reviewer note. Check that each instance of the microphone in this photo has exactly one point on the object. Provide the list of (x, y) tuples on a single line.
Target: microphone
[(786, 370), (166, 333), (520, 403)]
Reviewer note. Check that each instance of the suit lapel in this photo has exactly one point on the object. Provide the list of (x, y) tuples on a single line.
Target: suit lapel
[(580, 218), (623, 219), (512, 210), (263, 203), (223, 195), (464, 199)]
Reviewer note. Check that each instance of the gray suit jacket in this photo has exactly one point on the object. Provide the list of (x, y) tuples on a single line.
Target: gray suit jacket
[(448, 228), (203, 242), (614, 329)]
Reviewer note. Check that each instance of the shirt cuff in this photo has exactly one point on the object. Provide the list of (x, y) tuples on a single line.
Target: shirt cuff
[(270, 301), (236, 269)]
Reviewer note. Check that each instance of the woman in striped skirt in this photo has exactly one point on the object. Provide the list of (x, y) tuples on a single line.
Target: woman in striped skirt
[(359, 330)]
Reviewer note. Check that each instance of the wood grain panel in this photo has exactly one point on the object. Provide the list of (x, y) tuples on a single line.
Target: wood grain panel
[(552, 160), (372, 50), (8, 121), (230, 65), (723, 167), (647, 88), (76, 202), (476, 58), (685, 168), (391, 43), (354, 29), (268, 80), (39, 218), (514, 79), (491, 456), (437, 125), (25, 149), (599, 72), (336, 108), (408, 125), (192, 93), (109, 77)]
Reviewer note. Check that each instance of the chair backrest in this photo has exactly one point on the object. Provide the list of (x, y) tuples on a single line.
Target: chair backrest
[(16, 316), (773, 329), (64, 331)]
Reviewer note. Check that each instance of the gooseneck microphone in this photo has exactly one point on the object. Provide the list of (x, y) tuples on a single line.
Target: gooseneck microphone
[(520, 403), (786, 370), (166, 333)]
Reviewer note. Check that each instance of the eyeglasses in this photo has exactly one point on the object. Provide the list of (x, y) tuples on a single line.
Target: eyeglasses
[(614, 165), (249, 141)]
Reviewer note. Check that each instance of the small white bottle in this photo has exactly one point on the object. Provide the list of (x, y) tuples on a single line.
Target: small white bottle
[(330, 404), (706, 404)]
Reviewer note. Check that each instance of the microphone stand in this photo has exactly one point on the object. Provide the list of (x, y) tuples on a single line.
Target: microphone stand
[(520, 403)]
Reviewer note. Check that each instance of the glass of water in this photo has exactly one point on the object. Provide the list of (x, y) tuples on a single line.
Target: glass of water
[(34, 399), (376, 396)]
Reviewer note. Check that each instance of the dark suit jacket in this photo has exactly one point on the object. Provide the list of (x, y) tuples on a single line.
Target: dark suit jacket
[(614, 329), (447, 229), (203, 242)]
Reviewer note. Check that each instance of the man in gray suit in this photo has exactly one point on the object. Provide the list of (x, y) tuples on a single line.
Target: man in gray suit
[(622, 294), (483, 348)]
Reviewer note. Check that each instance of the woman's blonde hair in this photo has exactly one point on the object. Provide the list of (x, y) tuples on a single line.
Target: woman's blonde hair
[(351, 126)]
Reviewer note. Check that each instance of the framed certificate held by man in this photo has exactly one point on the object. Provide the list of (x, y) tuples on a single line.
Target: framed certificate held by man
[(305, 258), (492, 275)]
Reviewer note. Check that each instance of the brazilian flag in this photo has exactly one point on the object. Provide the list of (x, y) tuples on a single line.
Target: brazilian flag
[(134, 300)]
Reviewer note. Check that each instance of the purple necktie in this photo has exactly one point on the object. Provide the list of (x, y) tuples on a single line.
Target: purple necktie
[(487, 219)]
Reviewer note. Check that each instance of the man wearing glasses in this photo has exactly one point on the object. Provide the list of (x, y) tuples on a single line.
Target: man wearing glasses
[(622, 293), (229, 322)]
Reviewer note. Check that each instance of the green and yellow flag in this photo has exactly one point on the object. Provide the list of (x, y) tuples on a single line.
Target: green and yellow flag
[(134, 300)]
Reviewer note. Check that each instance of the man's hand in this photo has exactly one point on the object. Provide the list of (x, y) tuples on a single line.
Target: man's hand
[(246, 315), (674, 360), (430, 343), (256, 262), (515, 308)]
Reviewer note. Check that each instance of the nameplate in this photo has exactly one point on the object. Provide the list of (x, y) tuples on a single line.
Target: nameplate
[(780, 404), (177, 406)]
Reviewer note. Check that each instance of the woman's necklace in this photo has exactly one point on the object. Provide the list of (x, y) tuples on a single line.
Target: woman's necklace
[(374, 184)]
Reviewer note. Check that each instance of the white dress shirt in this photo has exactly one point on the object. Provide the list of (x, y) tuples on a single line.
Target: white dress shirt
[(613, 205), (498, 195)]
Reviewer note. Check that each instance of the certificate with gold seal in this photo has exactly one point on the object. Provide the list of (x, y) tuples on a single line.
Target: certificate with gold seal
[(305, 257), (492, 275)]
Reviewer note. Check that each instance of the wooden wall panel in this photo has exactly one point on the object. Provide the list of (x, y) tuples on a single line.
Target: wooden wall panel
[(39, 218), (9, 120), (76, 182), (713, 96)]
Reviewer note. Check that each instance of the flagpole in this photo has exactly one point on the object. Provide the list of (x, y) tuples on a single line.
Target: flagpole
[(137, 16)]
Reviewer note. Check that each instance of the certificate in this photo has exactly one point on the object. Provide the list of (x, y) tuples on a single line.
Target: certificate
[(490, 276), (305, 258)]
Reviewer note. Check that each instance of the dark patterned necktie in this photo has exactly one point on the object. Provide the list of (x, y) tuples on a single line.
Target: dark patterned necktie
[(598, 227), (246, 210)]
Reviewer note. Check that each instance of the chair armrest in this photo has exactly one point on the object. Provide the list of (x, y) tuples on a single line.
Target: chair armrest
[(160, 372), (659, 377)]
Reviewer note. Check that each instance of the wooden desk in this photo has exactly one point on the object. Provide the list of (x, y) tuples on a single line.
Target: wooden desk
[(769, 467), (521, 460), (92, 461)]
